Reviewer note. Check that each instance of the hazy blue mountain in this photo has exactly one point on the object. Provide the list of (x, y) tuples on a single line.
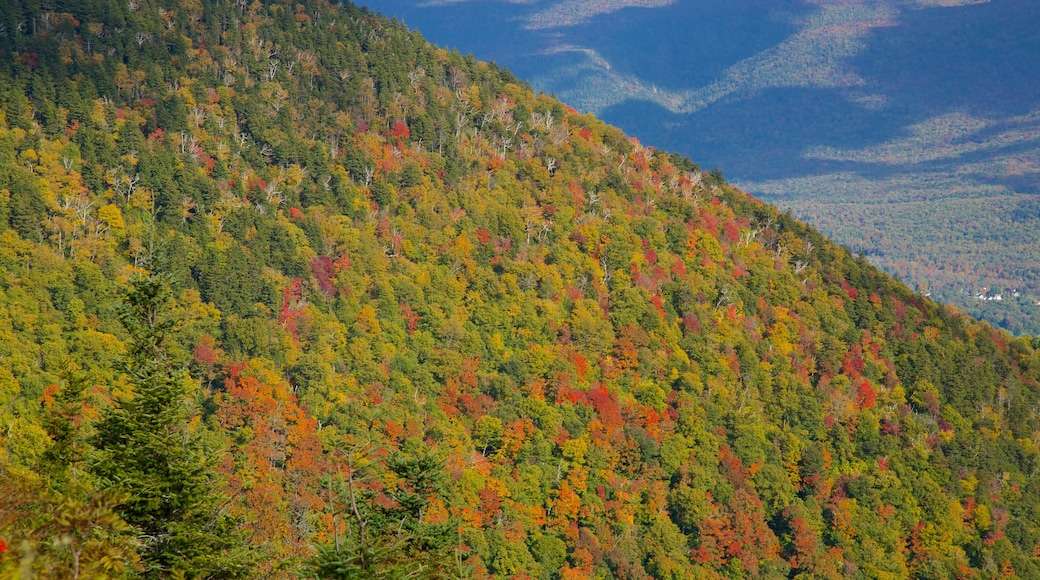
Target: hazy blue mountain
[(906, 129)]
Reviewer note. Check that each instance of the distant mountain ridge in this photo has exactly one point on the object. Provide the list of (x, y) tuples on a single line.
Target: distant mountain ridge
[(286, 291)]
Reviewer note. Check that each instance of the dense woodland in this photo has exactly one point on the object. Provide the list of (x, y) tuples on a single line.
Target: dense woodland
[(285, 291)]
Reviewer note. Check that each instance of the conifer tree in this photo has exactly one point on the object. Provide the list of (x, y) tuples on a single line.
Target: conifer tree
[(66, 527), (146, 449), (386, 535)]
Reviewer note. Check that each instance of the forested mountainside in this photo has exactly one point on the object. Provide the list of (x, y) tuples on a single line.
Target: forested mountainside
[(287, 292), (908, 130)]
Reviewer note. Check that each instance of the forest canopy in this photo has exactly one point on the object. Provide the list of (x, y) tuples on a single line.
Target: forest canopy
[(286, 291)]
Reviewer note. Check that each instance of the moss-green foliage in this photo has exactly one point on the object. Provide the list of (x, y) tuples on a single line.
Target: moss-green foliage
[(497, 336)]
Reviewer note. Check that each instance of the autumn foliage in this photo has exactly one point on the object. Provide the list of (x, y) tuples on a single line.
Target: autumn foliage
[(433, 321)]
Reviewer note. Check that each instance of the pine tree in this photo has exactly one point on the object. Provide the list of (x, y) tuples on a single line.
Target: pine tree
[(63, 458), (66, 527), (146, 449), (385, 532)]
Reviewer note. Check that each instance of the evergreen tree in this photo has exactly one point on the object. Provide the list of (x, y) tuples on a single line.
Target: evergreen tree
[(67, 528), (63, 458), (386, 535), (145, 448)]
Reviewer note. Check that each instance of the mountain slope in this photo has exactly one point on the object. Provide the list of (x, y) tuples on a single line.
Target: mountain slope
[(903, 129), (437, 324)]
